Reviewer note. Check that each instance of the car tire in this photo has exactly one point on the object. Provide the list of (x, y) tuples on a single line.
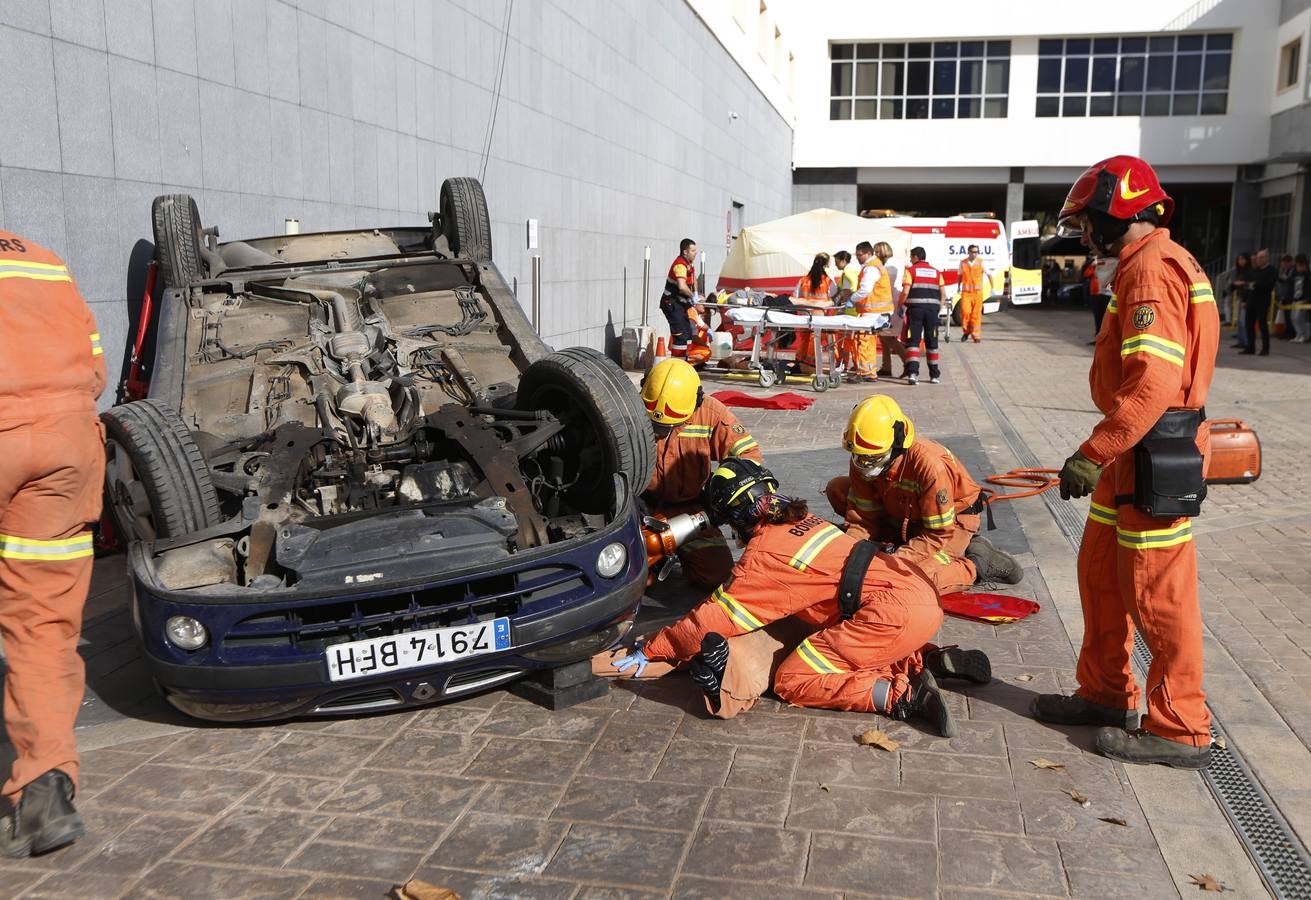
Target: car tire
[(176, 222), (157, 484), (464, 218), (955, 315), (599, 405)]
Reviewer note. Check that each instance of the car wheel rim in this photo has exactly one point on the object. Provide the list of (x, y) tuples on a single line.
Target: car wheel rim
[(128, 494)]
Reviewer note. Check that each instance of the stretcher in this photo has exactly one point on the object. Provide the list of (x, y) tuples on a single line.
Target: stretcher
[(766, 325)]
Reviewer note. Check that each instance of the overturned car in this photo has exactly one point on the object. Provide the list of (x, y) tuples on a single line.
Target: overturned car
[(360, 480)]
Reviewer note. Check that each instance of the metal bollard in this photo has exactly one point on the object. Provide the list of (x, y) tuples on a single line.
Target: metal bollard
[(646, 282), (537, 293)]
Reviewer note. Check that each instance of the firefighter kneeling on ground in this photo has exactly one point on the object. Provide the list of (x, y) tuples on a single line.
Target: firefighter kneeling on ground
[(692, 431), (913, 496), (871, 614)]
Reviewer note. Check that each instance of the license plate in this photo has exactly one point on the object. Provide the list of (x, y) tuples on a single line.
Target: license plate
[(415, 649)]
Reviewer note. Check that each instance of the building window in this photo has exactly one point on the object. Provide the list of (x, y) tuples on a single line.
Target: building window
[(1276, 215), (1161, 75), (920, 80), (1290, 64)]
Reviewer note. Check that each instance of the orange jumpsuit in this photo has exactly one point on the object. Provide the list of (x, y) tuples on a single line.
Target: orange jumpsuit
[(918, 503), (683, 463), (863, 663), (971, 297), (52, 463), (1156, 351), (863, 349), (819, 297)]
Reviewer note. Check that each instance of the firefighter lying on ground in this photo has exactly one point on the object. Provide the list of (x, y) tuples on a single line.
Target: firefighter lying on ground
[(871, 614), (913, 496), (692, 431)]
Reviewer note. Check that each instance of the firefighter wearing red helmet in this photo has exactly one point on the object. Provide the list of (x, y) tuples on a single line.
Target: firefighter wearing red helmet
[(1143, 465)]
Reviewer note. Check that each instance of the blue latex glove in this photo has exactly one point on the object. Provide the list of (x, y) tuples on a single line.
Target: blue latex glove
[(636, 661)]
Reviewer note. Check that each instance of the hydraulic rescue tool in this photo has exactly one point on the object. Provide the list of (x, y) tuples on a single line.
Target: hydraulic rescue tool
[(664, 535)]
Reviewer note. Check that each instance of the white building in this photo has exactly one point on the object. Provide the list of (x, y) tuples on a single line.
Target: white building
[(951, 106)]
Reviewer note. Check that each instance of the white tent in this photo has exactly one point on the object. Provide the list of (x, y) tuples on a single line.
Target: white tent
[(772, 256)]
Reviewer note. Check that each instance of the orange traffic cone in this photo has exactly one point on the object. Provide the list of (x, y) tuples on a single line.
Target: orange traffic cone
[(660, 353)]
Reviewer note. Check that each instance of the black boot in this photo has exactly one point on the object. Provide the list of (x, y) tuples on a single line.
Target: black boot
[(1144, 748), (953, 662), (993, 564), (925, 701), (45, 819), (1071, 709), (707, 668)]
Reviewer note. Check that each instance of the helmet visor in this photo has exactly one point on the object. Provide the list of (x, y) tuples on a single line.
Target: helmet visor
[(1072, 226), (871, 466)]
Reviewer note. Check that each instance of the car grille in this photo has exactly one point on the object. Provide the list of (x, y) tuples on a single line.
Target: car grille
[(311, 627)]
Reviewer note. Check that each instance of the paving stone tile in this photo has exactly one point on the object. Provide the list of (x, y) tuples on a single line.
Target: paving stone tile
[(695, 762), (845, 862), (179, 789), (428, 751), (369, 831), (1089, 773), (754, 731), (83, 885), (762, 768), (221, 748), (142, 844), (756, 807), (864, 811), (958, 785), (189, 882), (1055, 815), (103, 824), (1043, 737), (253, 837), (106, 764), (293, 792), (355, 860), (609, 801), (15, 882), (1001, 702), (323, 755), (397, 795), (479, 886), (737, 851), (453, 717), (588, 892), (975, 814), (973, 738), (379, 725), (1000, 651), (849, 764), (1099, 885), (337, 887), (523, 759), (692, 887), (672, 695), (518, 798), (631, 746), (622, 856), (532, 721), (1140, 860), (150, 746), (1041, 679), (1001, 862), (496, 843), (914, 763)]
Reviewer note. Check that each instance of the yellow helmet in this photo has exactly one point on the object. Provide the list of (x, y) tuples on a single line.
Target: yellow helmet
[(876, 431), (671, 392)]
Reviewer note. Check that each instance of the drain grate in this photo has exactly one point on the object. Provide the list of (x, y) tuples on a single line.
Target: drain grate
[(1276, 851)]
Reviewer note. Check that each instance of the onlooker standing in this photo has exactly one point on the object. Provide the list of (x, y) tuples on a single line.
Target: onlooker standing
[(1283, 293), (1264, 277), (679, 294), (1300, 298), (1051, 281), (1237, 288), (923, 294)]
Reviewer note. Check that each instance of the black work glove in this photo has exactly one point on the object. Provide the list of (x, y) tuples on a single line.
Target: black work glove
[(1079, 476)]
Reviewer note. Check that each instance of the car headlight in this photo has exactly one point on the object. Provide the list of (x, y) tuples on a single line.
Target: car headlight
[(185, 632), (611, 560)]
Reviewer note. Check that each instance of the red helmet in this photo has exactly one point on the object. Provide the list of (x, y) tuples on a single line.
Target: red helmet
[(1122, 187)]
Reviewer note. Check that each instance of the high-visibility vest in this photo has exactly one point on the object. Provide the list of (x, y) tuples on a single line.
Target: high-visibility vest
[(820, 294), (680, 268), (924, 282), (880, 297), (971, 275)]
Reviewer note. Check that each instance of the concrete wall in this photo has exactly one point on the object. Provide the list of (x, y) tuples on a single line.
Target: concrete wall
[(613, 131)]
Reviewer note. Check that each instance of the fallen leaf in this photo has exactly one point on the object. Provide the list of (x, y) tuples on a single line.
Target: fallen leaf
[(1208, 883), (1024, 678), (414, 889), (1114, 820), (1044, 763), (1079, 798), (876, 738), (824, 787), (1219, 743)]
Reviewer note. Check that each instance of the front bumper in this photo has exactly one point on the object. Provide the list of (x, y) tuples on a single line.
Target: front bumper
[(266, 660)]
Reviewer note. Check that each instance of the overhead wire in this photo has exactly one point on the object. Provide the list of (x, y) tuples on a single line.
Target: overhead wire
[(496, 92)]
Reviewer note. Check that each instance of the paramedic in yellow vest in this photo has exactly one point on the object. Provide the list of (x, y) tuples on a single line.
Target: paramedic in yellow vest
[(873, 295), (970, 282), (848, 280)]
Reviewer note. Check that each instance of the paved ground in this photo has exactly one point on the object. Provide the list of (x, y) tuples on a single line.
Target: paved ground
[(639, 795)]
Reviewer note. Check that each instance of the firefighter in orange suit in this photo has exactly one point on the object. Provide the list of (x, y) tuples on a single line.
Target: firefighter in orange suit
[(971, 276), (679, 296), (692, 432), (815, 290), (51, 476), (1143, 465), (914, 496), (875, 613), (873, 295)]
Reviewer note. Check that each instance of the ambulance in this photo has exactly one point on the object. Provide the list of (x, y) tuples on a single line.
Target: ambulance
[(946, 242)]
